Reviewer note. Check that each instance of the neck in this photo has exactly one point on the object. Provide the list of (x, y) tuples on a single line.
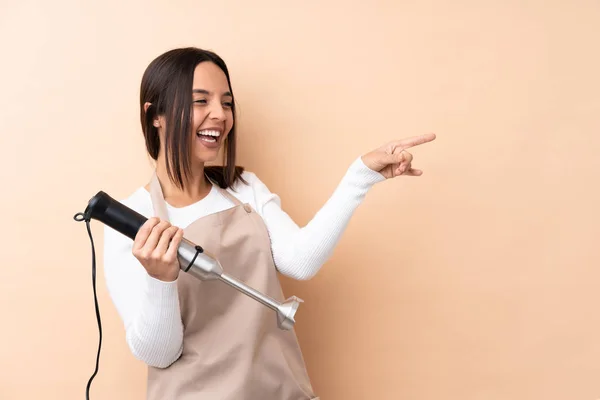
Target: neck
[(196, 187)]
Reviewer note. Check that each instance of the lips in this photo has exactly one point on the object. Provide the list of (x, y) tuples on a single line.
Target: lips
[(209, 137)]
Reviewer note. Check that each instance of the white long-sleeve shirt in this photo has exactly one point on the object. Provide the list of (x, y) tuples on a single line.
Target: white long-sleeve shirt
[(149, 307)]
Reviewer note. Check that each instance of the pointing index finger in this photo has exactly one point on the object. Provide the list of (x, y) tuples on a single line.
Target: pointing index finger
[(415, 140)]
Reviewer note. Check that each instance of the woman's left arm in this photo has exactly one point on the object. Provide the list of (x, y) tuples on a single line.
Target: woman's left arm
[(299, 252)]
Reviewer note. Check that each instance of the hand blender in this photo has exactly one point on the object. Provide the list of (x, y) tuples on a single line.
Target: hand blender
[(192, 257)]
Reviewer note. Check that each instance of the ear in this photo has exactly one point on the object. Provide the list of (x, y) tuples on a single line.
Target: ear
[(156, 121)]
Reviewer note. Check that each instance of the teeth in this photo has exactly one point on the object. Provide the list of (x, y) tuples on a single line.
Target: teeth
[(210, 133)]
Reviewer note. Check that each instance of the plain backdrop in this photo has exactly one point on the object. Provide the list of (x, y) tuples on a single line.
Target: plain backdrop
[(477, 281)]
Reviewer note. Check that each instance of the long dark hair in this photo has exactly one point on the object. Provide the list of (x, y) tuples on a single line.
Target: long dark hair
[(167, 86)]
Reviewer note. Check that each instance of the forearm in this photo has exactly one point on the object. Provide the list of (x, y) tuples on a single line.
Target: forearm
[(149, 308), (155, 334), (301, 252)]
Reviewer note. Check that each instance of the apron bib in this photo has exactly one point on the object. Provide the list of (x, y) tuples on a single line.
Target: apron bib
[(232, 347)]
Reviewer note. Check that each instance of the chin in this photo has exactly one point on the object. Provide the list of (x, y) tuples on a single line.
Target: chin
[(206, 157), (205, 153)]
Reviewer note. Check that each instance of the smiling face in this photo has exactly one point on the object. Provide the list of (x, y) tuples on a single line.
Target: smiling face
[(188, 115), (212, 112)]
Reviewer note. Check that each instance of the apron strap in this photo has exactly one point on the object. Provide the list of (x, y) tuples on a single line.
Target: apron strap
[(229, 196), (158, 199)]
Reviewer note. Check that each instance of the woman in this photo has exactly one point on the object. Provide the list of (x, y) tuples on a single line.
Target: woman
[(202, 339)]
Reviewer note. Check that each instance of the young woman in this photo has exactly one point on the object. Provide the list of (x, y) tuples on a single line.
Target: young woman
[(202, 339)]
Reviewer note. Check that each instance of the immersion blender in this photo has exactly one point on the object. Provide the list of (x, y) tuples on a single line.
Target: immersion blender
[(192, 257)]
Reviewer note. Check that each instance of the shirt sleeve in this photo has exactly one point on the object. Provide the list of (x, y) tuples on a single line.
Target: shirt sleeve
[(148, 307), (300, 252)]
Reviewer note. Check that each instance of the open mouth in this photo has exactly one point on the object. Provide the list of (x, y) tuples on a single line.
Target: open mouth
[(209, 136)]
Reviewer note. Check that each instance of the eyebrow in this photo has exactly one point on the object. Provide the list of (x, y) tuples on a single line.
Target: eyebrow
[(203, 91)]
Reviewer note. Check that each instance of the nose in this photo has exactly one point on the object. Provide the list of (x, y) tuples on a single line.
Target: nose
[(217, 112)]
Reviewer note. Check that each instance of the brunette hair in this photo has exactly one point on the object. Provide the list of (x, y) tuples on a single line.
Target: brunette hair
[(167, 86)]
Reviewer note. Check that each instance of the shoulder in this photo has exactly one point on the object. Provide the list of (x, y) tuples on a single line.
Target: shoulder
[(247, 181), (253, 190)]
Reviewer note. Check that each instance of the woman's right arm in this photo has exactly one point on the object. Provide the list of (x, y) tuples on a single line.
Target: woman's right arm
[(141, 278)]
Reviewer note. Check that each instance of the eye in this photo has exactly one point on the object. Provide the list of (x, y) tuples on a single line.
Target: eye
[(228, 104), (200, 101)]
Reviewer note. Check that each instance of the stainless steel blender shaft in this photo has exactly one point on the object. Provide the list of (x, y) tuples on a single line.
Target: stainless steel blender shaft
[(204, 266)]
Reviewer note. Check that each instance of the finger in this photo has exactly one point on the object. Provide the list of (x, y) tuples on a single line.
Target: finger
[(403, 162), (398, 157), (155, 235), (414, 140), (165, 238), (398, 169), (414, 172), (174, 244), (405, 157), (144, 232)]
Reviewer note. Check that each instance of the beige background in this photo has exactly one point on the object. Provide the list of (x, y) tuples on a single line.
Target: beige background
[(479, 279)]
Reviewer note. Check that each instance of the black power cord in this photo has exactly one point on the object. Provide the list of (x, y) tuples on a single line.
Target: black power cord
[(82, 217)]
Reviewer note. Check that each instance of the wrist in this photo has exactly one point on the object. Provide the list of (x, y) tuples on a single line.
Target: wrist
[(361, 172), (164, 277)]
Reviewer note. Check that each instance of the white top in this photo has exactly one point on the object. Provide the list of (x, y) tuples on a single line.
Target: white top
[(149, 307)]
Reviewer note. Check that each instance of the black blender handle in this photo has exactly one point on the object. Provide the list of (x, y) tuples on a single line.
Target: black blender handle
[(115, 214)]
